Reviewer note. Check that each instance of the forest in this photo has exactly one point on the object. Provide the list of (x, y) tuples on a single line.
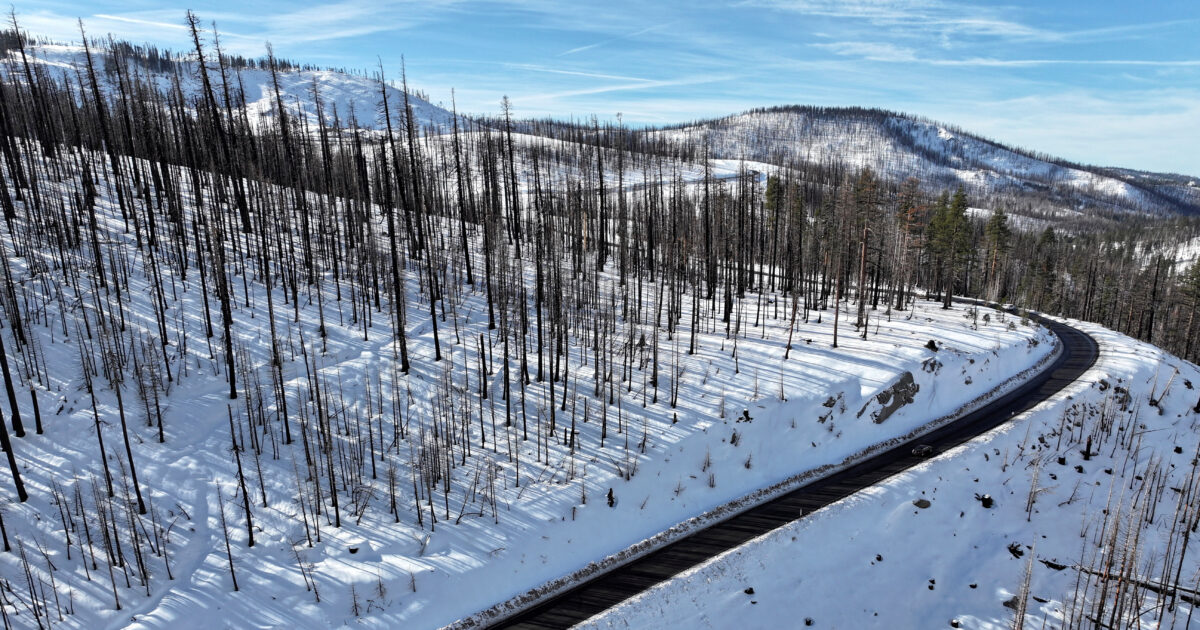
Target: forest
[(162, 238)]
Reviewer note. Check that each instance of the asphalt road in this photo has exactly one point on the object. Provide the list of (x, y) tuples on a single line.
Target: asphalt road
[(606, 590)]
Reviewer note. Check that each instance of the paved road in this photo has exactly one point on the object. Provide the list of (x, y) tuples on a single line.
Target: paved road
[(606, 590)]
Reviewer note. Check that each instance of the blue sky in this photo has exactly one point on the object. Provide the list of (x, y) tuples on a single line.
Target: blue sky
[(1115, 83)]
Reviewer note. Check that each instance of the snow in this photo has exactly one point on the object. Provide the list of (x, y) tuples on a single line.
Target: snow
[(667, 467), (344, 92), (1015, 221), (894, 146), (748, 423), (952, 561), (897, 147), (1186, 253)]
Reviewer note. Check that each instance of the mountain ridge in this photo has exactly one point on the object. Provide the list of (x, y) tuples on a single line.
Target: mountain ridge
[(895, 145)]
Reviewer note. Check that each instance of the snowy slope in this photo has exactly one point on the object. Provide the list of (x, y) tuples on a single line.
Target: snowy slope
[(510, 521), (1187, 253), (898, 146), (1058, 513), (1015, 221), (895, 146), (516, 513), (341, 91), (1185, 188)]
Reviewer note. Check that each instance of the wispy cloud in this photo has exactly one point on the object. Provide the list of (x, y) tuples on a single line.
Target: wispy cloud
[(146, 26), (643, 31), (1001, 63), (575, 73), (624, 87), (862, 9), (872, 51), (133, 20), (926, 15), (1121, 31), (948, 19), (886, 52), (343, 20)]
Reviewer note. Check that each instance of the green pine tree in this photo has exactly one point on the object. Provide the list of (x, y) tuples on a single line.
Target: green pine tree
[(950, 239), (998, 239)]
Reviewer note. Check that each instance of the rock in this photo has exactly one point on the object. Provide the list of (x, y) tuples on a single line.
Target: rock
[(1122, 398), (749, 590), (890, 400), (932, 345), (922, 503)]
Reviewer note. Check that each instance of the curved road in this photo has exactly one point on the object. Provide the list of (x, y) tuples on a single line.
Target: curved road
[(606, 590)]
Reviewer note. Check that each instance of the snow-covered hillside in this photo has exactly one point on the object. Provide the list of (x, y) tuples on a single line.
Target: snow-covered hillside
[(1184, 188), (894, 145), (1016, 222), (341, 93), (515, 507), (211, 325), (1093, 497), (898, 146)]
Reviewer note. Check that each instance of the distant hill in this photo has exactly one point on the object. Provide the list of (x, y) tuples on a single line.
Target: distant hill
[(897, 146), (894, 145), (342, 94)]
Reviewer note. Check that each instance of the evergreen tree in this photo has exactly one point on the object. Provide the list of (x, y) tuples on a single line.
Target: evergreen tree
[(950, 239), (1043, 272), (998, 242), (1190, 289)]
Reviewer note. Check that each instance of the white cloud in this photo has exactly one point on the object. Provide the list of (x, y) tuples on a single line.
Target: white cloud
[(862, 9), (575, 73), (923, 16), (636, 33), (131, 20), (946, 21), (873, 51), (624, 87)]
